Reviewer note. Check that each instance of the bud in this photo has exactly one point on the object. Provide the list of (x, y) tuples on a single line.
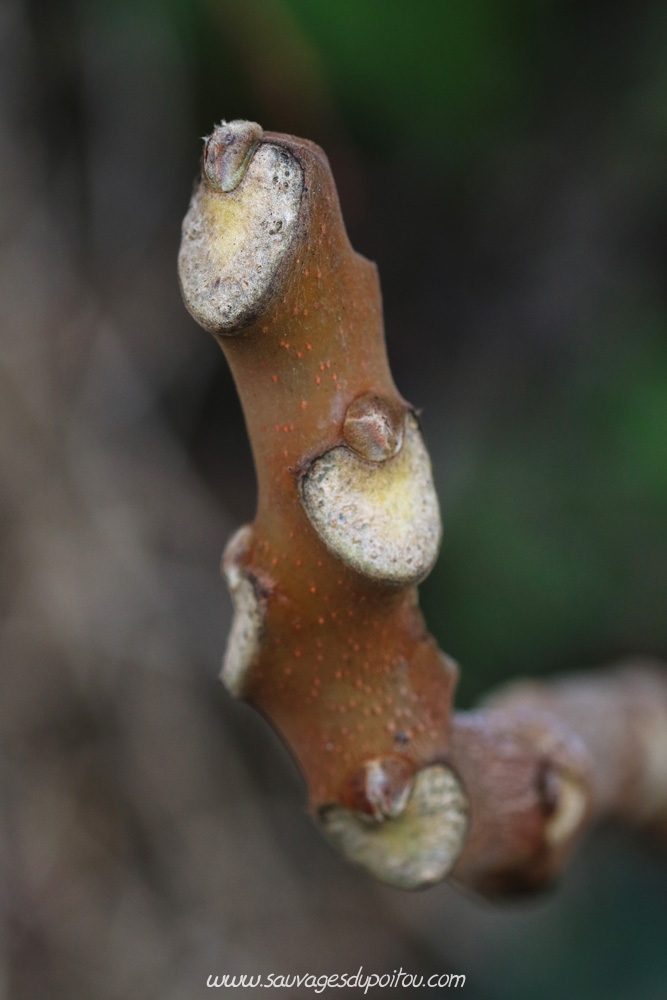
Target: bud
[(381, 788), (227, 153), (374, 427)]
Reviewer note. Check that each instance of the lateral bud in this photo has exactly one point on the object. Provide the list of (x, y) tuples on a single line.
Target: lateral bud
[(374, 427), (381, 788)]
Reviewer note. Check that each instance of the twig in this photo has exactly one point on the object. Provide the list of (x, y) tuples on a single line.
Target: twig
[(328, 641)]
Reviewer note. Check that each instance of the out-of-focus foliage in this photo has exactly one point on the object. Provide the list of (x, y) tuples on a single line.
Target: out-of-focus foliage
[(429, 74), (506, 165)]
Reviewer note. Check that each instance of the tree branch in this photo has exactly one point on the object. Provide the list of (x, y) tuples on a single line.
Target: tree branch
[(327, 640)]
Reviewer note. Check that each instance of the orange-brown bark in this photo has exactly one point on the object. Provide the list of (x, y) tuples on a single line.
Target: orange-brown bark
[(347, 671)]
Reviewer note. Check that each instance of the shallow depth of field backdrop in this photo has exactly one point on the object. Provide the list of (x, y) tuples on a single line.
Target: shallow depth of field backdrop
[(505, 163)]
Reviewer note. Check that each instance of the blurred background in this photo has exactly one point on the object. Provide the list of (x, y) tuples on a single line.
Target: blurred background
[(505, 163)]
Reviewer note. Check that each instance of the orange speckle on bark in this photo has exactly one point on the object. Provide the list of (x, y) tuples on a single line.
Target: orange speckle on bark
[(347, 289)]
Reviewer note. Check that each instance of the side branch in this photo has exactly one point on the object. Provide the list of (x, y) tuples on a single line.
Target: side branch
[(543, 761)]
